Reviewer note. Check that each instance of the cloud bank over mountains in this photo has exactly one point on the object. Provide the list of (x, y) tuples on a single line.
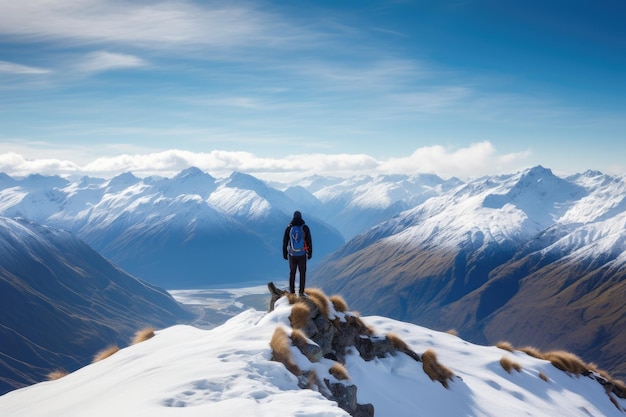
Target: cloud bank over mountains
[(472, 161)]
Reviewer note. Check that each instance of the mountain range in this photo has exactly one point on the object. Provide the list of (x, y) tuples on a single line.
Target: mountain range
[(61, 302), (529, 257)]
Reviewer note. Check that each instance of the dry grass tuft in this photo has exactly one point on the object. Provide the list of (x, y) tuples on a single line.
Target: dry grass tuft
[(105, 353), (300, 313), (397, 342), (453, 332), (361, 327), (339, 303), (566, 361), (143, 335), (298, 338), (293, 298), (281, 351), (544, 377), (508, 365), (531, 351), (319, 298), (57, 374), (505, 346), (434, 370), (339, 371)]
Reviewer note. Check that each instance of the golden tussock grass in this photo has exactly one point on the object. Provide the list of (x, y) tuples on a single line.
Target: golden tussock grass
[(57, 374), (544, 377), (293, 298), (508, 365), (453, 332), (339, 371), (105, 353), (362, 328), (531, 351), (397, 342), (281, 351), (298, 338), (566, 361), (434, 370), (505, 346), (142, 335), (300, 313), (319, 298), (339, 303)]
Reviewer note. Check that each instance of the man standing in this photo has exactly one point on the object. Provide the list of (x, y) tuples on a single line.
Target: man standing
[(297, 247)]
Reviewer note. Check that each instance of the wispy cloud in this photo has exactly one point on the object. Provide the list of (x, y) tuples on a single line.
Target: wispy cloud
[(13, 68), (152, 24), (105, 61)]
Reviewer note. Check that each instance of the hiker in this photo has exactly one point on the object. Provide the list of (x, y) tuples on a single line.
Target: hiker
[(297, 247)]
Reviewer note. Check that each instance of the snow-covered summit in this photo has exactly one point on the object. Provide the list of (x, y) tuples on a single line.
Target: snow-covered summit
[(228, 371)]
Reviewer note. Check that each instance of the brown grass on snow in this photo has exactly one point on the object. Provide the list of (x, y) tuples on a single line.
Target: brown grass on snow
[(339, 303), (543, 376), (57, 374), (453, 332), (142, 335), (339, 371), (397, 342), (566, 361), (319, 298), (298, 338), (508, 365), (105, 353), (505, 346), (281, 351), (434, 370), (531, 351), (299, 318)]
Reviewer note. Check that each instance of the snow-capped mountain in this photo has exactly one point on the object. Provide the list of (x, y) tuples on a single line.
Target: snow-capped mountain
[(189, 231), (529, 257), (356, 204), (229, 371), (60, 302)]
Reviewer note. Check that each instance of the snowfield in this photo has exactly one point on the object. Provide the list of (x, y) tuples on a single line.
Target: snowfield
[(227, 371)]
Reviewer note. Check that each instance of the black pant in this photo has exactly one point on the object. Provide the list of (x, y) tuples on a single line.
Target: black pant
[(298, 262)]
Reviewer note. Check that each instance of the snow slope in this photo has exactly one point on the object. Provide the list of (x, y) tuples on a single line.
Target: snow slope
[(226, 371)]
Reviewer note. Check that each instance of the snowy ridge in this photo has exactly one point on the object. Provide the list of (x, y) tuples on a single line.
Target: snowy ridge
[(227, 371)]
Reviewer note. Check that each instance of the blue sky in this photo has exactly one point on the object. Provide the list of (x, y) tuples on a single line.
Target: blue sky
[(283, 89)]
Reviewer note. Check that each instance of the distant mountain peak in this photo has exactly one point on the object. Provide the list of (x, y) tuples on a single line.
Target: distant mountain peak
[(192, 172)]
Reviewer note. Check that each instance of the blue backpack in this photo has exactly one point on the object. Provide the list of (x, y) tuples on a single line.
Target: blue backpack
[(297, 245)]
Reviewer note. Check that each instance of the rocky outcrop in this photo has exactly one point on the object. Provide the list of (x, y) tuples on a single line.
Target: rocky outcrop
[(319, 331)]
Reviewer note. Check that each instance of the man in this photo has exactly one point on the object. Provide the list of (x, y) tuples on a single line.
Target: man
[(297, 247)]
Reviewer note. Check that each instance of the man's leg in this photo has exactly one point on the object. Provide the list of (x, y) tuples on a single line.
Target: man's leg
[(292, 274), (302, 269)]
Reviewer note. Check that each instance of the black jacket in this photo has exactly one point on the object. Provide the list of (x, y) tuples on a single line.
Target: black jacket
[(307, 237)]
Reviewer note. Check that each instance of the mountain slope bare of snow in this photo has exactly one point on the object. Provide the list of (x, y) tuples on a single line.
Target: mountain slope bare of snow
[(61, 302)]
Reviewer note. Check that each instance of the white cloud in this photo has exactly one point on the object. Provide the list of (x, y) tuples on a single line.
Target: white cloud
[(477, 159), (13, 68), (105, 61), (16, 165)]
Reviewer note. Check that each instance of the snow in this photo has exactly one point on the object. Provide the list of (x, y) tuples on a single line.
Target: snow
[(227, 371)]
